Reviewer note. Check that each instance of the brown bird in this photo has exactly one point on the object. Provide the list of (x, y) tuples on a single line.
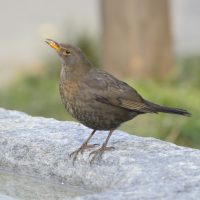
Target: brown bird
[(97, 99)]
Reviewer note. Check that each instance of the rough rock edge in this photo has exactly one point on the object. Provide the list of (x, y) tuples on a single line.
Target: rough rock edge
[(139, 168)]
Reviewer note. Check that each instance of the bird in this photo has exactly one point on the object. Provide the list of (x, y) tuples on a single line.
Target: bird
[(97, 99)]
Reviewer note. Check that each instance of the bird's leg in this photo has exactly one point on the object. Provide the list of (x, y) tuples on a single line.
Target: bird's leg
[(99, 152), (84, 146)]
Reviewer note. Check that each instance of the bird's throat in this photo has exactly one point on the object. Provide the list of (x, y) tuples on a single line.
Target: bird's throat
[(72, 73)]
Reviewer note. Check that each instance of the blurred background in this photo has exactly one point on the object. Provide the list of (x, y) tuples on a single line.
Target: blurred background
[(152, 45)]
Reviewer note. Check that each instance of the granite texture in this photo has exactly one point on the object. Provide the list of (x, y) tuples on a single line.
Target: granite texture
[(139, 168)]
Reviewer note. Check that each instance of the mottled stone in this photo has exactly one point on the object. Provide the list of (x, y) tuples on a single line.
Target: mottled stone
[(138, 168)]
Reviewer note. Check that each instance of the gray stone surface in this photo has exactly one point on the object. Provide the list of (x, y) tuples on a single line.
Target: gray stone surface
[(139, 168)]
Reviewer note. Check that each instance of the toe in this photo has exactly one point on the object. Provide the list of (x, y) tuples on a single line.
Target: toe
[(109, 148)]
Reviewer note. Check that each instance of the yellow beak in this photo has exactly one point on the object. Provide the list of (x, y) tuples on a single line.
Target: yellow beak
[(53, 44)]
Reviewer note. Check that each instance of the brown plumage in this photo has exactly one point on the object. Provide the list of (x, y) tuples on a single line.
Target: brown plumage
[(97, 99)]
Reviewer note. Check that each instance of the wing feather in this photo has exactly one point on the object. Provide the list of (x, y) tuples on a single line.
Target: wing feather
[(112, 91)]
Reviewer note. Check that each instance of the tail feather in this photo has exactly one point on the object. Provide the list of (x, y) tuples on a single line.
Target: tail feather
[(158, 108)]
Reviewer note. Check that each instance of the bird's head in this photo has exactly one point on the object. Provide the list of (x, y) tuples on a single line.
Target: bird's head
[(70, 56)]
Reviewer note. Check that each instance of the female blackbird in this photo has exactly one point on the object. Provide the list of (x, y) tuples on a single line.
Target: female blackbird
[(97, 99)]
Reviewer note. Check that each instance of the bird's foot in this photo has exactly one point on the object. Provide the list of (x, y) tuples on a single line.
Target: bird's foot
[(97, 154), (81, 149)]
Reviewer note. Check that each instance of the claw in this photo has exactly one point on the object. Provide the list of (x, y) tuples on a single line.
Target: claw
[(81, 150), (98, 153)]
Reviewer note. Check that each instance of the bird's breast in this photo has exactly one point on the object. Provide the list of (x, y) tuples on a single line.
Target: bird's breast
[(68, 92)]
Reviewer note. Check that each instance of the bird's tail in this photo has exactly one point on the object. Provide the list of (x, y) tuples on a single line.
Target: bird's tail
[(158, 108)]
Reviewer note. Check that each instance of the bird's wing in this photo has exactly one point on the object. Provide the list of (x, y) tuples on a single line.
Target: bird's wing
[(111, 91), (124, 103)]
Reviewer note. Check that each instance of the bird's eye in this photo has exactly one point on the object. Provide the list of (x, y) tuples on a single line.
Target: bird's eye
[(66, 52)]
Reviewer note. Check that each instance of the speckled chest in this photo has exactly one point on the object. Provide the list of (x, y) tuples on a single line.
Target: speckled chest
[(68, 92)]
